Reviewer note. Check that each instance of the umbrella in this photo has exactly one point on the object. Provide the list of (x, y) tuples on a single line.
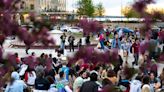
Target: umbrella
[(125, 30)]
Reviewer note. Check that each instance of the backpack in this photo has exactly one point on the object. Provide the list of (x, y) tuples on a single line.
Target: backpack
[(60, 87)]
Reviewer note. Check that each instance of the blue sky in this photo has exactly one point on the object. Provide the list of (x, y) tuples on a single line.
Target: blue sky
[(112, 7)]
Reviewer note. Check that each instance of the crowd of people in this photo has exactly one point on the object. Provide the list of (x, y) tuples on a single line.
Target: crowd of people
[(84, 77)]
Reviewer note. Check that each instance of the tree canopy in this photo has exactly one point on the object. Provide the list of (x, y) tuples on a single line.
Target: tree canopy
[(129, 12), (85, 7), (99, 9)]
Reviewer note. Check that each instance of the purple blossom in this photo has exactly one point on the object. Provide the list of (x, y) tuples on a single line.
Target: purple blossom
[(90, 26), (140, 5), (89, 55), (1, 54)]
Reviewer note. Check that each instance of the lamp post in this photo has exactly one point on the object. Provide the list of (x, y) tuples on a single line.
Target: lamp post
[(121, 10)]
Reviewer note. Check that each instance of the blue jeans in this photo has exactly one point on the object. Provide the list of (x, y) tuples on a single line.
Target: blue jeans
[(102, 44), (62, 46)]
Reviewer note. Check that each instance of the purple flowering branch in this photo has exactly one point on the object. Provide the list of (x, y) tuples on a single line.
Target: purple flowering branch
[(90, 26), (9, 27)]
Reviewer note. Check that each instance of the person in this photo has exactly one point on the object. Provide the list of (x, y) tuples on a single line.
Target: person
[(135, 50), (52, 85), (71, 42), (30, 77), (33, 56), (104, 72), (65, 69), (80, 43), (88, 40), (109, 83), (126, 45), (63, 38), (18, 61), (42, 58), (162, 79), (90, 86), (79, 81), (116, 42), (61, 82), (137, 32), (41, 83), (107, 35), (15, 84), (154, 82), (101, 40), (127, 59), (146, 86), (135, 85)]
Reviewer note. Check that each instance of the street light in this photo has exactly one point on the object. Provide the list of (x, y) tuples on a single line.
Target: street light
[(121, 10)]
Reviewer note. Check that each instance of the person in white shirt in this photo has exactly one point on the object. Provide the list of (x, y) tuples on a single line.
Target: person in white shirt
[(30, 77), (79, 81), (135, 85)]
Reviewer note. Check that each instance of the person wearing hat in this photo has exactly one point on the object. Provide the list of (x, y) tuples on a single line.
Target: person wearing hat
[(15, 84)]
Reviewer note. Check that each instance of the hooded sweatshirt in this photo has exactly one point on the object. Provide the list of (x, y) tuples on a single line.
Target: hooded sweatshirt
[(135, 86), (17, 86)]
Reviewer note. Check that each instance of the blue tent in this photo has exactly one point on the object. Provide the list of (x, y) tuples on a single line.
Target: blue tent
[(125, 30)]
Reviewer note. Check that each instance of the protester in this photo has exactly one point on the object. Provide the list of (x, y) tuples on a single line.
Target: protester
[(128, 59), (88, 40), (116, 42), (63, 38), (162, 79), (56, 74), (71, 39), (109, 84), (79, 43), (30, 77), (41, 83), (90, 86), (101, 40), (65, 69), (135, 50), (135, 85), (155, 82), (15, 84), (61, 82), (79, 81), (146, 84)]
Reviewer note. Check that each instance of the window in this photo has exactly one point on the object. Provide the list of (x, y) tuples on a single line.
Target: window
[(31, 7)]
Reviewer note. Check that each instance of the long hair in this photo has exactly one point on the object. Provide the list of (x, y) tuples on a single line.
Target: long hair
[(162, 75)]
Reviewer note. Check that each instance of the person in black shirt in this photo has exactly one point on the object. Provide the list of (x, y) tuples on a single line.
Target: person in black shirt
[(88, 40), (90, 86), (71, 42), (80, 43), (41, 83)]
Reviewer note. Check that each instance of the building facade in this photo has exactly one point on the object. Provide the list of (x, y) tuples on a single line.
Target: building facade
[(44, 5)]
